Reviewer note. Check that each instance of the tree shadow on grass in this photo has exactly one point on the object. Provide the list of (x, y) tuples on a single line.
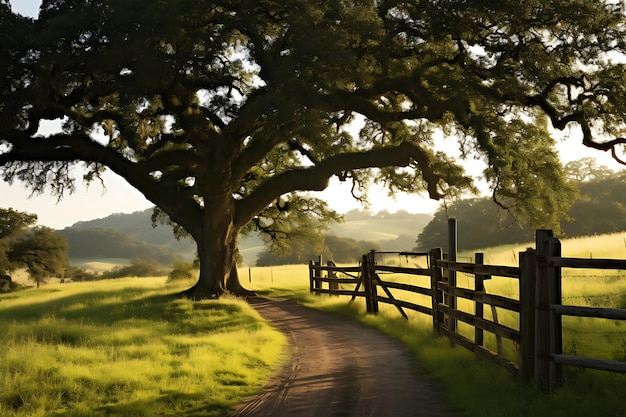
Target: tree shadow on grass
[(107, 308), (179, 405), (86, 320)]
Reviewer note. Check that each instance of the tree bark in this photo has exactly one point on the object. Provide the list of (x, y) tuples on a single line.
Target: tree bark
[(217, 249), (233, 285)]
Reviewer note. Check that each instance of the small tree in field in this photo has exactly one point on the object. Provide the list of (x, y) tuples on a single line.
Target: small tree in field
[(42, 252), (13, 223), (223, 112), (37, 249)]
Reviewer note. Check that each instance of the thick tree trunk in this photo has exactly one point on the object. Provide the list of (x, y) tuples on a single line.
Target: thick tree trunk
[(233, 285), (217, 247)]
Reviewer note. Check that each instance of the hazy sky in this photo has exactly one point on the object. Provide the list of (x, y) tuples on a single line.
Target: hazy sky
[(26, 7), (119, 197)]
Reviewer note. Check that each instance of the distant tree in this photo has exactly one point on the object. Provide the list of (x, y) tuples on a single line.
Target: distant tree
[(12, 224), (181, 270), (221, 112), (110, 243), (481, 224), (600, 208), (77, 274), (337, 249), (587, 169), (346, 250), (5, 264), (139, 267), (139, 225), (42, 252)]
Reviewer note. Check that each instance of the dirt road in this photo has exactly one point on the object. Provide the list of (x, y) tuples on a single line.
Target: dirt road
[(340, 368)]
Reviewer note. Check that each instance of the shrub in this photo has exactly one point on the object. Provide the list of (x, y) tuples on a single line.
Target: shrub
[(139, 267), (78, 274), (181, 271)]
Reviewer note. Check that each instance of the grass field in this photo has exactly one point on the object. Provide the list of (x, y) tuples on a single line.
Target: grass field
[(128, 348), (474, 385)]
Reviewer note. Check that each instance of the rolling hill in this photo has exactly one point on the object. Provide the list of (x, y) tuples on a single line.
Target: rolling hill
[(132, 235)]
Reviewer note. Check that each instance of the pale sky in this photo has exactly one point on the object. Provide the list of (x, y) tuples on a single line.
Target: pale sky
[(26, 7), (119, 197)]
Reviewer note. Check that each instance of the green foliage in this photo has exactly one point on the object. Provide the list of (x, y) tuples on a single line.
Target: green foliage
[(77, 274), (42, 252), (110, 243), (224, 114), (587, 169), (138, 225), (480, 222), (337, 249), (13, 223), (294, 226), (182, 270), (601, 208), (139, 267), (39, 250)]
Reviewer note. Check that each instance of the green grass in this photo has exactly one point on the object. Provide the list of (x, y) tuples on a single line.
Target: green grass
[(478, 387), (127, 348)]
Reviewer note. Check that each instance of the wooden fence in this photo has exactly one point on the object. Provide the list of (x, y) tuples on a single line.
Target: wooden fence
[(539, 307)]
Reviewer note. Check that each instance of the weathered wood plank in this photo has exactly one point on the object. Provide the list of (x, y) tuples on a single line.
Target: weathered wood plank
[(403, 270), (527, 282), (600, 364), (559, 262), (406, 304), (578, 311), (491, 299), (407, 287), (470, 268), (339, 292), (483, 352), (497, 329), (338, 280), (336, 268), (436, 294), (379, 282)]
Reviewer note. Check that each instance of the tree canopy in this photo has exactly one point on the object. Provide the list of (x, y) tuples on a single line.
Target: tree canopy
[(600, 208), (37, 249), (223, 112)]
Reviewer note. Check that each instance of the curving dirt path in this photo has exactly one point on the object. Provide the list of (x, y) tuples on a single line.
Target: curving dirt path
[(340, 368)]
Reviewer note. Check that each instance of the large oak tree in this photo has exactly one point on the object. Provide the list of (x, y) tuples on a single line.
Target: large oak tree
[(222, 112)]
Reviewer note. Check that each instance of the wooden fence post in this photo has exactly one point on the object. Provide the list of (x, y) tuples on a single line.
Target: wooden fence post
[(369, 287), (556, 322), (371, 262), (318, 283), (332, 285), (479, 286), (542, 311), (311, 276), (436, 295), (450, 298), (366, 284), (548, 327), (527, 280)]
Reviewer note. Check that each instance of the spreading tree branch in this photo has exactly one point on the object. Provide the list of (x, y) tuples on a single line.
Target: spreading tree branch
[(316, 178)]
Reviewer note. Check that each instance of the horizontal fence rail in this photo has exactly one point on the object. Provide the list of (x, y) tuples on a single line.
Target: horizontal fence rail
[(539, 308)]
